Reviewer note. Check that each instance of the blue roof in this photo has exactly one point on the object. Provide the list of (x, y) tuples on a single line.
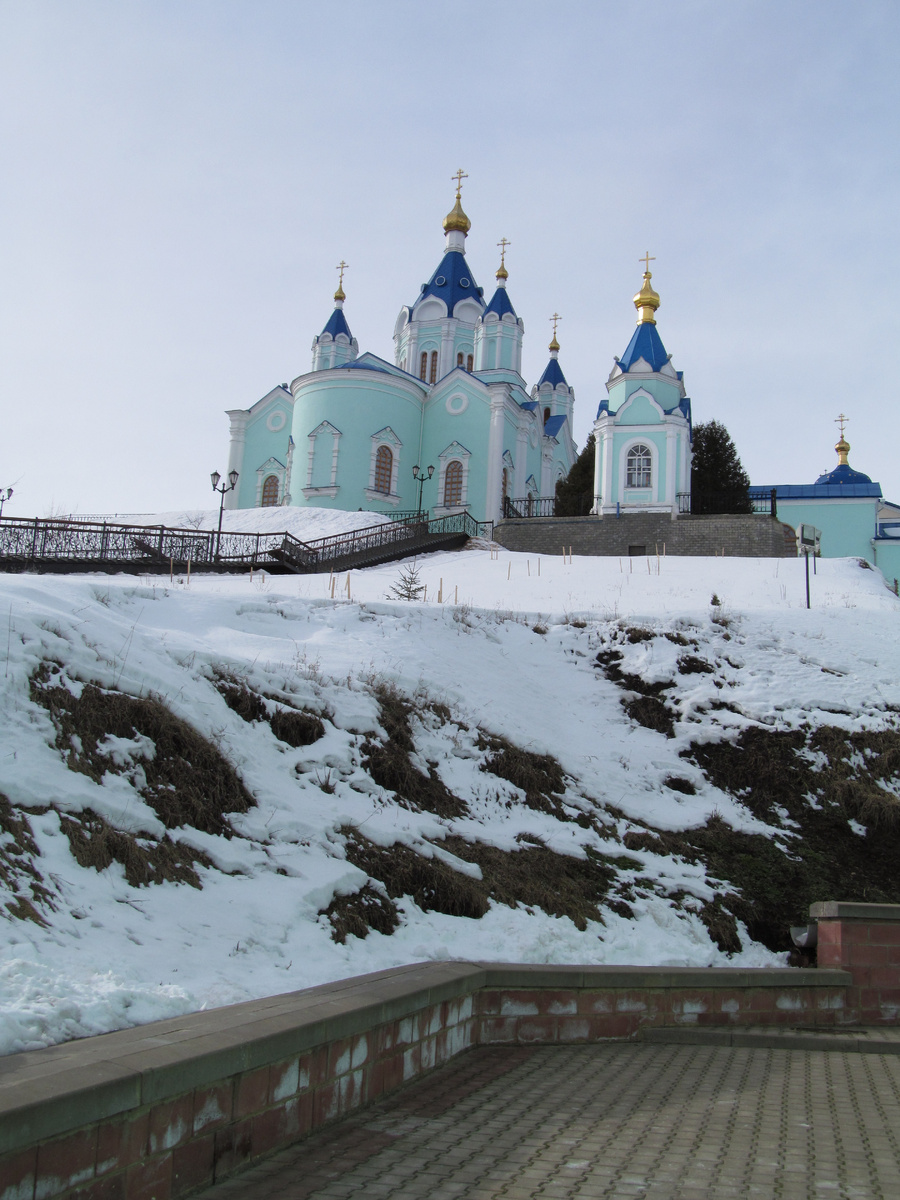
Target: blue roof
[(843, 474), (825, 491), (363, 366), (646, 344), (529, 405), (552, 374), (337, 323), (553, 425), (452, 282), (500, 303)]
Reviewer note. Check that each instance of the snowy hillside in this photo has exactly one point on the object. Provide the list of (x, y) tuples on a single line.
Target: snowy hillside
[(242, 787)]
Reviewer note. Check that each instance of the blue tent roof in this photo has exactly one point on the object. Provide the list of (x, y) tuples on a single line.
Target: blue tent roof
[(553, 425), (646, 344), (337, 323), (552, 374), (843, 474), (362, 366), (452, 282), (500, 303)]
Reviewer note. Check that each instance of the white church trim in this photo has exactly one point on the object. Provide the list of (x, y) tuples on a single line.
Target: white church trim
[(454, 453), (330, 489), (385, 437)]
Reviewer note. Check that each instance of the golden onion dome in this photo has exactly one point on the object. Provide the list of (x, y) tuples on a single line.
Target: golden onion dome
[(646, 301), (339, 294), (843, 449), (456, 218), (502, 273), (554, 345)]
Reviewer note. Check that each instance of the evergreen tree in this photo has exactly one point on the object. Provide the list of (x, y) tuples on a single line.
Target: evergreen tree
[(719, 484), (408, 586), (575, 493)]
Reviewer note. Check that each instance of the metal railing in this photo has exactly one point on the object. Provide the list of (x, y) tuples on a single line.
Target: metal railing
[(762, 501), (546, 506), (75, 545)]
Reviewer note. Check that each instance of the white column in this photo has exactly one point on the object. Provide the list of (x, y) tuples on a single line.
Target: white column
[(445, 362), (671, 465), (238, 418), (521, 461), (495, 456)]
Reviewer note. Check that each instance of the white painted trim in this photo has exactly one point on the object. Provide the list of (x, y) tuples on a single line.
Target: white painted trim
[(454, 453), (385, 437)]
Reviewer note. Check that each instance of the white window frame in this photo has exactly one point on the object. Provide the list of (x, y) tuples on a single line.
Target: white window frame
[(455, 452), (330, 489), (270, 467), (385, 437), (647, 453)]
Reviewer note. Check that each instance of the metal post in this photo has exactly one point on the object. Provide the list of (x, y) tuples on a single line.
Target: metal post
[(806, 556)]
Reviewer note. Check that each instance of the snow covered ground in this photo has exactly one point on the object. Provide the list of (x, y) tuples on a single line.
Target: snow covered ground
[(306, 524), (510, 650)]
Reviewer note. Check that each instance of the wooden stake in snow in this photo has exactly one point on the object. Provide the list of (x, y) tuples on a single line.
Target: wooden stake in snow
[(333, 581), (528, 565), (441, 591), (348, 585), (456, 594), (509, 569)]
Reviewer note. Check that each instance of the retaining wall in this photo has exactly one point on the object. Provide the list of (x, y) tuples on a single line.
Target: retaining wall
[(159, 1111), (735, 536), (863, 939)]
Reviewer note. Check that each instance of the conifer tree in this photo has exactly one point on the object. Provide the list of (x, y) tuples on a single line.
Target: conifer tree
[(719, 484), (575, 493)]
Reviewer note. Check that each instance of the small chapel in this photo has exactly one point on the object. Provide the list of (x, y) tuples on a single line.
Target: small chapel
[(451, 415)]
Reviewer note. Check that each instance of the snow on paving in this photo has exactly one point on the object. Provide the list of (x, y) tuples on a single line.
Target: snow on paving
[(510, 650)]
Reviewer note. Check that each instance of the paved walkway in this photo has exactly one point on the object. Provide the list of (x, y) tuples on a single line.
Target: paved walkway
[(666, 1122)]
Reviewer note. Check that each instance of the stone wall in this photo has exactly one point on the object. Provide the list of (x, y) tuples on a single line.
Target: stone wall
[(863, 939), (734, 536), (158, 1111)]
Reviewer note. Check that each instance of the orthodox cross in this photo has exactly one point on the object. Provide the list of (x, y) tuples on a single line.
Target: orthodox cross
[(503, 243), (841, 420), (555, 318), (459, 177), (647, 260), (342, 267)]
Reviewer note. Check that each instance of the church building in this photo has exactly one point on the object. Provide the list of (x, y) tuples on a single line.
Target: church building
[(358, 432), (642, 434)]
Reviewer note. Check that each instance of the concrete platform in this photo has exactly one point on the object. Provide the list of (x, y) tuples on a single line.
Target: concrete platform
[(661, 1121)]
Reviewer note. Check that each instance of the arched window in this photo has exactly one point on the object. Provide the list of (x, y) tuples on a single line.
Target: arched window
[(638, 467), (546, 415), (432, 378), (384, 469), (505, 483), (423, 364), (469, 362), (269, 492), (453, 479), (459, 359)]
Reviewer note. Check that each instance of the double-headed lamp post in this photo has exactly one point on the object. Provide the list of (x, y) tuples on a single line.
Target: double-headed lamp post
[(420, 476), (223, 490), (4, 496)]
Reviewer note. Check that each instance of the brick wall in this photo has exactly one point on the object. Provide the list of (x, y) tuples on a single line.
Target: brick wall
[(863, 939), (735, 536), (156, 1112)]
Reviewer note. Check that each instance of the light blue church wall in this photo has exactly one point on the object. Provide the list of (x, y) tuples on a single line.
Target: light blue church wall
[(887, 558), (847, 524)]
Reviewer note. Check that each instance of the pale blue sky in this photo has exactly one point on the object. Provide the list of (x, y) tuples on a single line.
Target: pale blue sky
[(180, 180)]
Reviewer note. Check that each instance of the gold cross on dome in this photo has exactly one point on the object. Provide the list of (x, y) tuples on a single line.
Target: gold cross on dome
[(841, 420), (555, 318), (503, 243), (459, 177), (647, 260), (342, 267)]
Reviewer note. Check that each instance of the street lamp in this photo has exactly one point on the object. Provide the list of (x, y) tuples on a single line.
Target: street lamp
[(232, 479), (4, 496), (420, 478)]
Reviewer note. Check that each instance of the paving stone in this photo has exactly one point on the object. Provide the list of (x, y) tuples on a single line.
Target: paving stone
[(653, 1120)]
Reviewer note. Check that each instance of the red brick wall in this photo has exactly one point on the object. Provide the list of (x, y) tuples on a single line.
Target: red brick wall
[(870, 951), (169, 1149)]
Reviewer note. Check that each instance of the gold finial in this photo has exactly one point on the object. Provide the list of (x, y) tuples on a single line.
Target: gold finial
[(339, 294), (502, 272), (556, 318), (842, 446), (646, 301), (456, 219)]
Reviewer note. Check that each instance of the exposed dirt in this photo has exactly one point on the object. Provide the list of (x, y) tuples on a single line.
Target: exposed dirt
[(95, 843), (185, 778), (359, 913), (296, 727), (539, 776), (20, 878), (391, 767)]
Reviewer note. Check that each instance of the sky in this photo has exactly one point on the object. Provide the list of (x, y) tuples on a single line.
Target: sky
[(180, 181)]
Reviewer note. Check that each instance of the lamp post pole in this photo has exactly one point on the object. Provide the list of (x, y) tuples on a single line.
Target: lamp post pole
[(420, 476), (223, 490), (4, 496)]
